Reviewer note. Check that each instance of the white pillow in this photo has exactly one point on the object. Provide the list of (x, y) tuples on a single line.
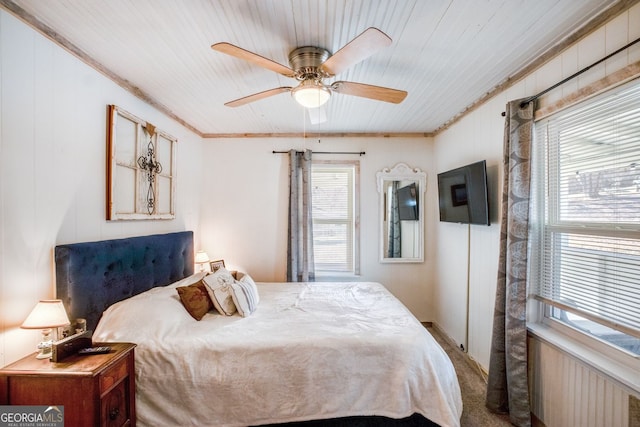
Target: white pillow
[(245, 295), (218, 286)]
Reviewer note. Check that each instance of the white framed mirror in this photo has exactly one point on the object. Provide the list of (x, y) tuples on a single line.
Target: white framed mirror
[(401, 192)]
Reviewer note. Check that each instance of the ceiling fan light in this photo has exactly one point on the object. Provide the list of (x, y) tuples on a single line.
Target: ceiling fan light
[(311, 94)]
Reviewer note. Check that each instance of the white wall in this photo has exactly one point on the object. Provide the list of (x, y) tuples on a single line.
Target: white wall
[(244, 211), (478, 136), (53, 113)]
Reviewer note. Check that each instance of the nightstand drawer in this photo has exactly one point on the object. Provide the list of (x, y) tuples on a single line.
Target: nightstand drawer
[(113, 375), (114, 411)]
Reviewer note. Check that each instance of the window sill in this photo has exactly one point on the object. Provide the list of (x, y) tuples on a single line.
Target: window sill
[(329, 276), (625, 375)]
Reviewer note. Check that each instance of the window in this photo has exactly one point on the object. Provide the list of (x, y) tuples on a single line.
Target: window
[(140, 169), (586, 217), (335, 216)]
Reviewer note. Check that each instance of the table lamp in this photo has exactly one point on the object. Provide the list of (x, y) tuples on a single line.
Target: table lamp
[(202, 258), (47, 314)]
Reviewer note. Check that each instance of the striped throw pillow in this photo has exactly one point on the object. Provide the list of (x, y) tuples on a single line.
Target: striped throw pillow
[(245, 295)]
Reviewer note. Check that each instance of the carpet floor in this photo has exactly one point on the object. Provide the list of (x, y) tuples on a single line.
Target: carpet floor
[(473, 387)]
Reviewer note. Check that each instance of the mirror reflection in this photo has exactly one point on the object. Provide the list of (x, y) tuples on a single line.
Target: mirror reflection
[(401, 219), (401, 214)]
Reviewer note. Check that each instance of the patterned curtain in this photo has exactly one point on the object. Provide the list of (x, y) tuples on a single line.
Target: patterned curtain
[(507, 388), (394, 249), (300, 266)]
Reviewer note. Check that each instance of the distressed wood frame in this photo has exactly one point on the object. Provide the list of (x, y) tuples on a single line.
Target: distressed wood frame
[(128, 189)]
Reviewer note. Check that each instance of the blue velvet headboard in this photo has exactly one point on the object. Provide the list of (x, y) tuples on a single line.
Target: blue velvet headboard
[(92, 276)]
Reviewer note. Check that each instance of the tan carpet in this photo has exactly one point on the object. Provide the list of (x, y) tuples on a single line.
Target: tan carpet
[(473, 387)]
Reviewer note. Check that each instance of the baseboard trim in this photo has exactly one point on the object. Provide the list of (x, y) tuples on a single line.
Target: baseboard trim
[(468, 359)]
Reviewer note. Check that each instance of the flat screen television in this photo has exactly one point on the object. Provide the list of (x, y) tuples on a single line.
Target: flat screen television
[(408, 203), (462, 194)]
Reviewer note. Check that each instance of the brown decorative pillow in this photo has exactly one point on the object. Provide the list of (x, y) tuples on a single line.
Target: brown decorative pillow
[(195, 299)]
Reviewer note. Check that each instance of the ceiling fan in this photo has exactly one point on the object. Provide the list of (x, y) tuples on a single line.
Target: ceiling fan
[(310, 65)]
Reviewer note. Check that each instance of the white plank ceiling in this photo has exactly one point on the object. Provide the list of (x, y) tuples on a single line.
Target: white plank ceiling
[(446, 53)]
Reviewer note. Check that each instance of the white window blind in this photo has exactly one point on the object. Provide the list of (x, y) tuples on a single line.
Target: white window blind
[(586, 210), (333, 217)]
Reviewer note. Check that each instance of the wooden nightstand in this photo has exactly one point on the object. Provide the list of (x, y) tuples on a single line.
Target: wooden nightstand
[(96, 390)]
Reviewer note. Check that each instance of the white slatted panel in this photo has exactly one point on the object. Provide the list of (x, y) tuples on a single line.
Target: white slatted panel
[(565, 392), (445, 53)]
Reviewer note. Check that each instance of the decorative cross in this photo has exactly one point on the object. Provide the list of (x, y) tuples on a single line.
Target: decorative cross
[(152, 167)]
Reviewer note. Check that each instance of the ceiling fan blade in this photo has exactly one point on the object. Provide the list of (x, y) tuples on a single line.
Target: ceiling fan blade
[(366, 44), (369, 91), (241, 53), (257, 96)]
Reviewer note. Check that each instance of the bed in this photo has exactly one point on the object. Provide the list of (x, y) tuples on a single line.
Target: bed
[(318, 354)]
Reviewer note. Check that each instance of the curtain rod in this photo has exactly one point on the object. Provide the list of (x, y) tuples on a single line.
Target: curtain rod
[(574, 75), (360, 153)]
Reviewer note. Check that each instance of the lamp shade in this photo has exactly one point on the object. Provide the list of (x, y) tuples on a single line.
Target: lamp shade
[(201, 257), (47, 314), (311, 94)]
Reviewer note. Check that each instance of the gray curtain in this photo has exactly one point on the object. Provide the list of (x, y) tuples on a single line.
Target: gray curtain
[(507, 388), (394, 249), (300, 267)]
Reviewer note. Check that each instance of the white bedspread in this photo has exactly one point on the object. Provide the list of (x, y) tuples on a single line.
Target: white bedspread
[(310, 351)]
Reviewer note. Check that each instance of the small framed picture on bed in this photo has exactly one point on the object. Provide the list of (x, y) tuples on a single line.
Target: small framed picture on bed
[(215, 265)]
